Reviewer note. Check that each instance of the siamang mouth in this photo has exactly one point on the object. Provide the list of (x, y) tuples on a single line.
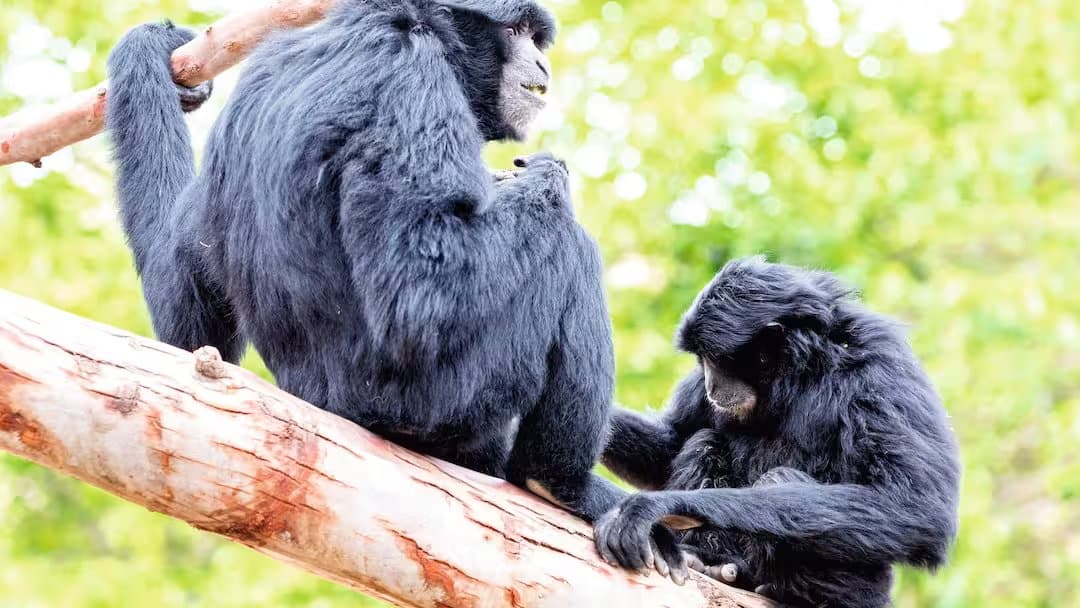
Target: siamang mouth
[(537, 90)]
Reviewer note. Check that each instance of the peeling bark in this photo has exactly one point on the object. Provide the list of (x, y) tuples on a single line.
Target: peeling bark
[(214, 445), (31, 135)]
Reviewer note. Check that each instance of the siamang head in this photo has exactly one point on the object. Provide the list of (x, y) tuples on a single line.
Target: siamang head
[(502, 68), (756, 323)]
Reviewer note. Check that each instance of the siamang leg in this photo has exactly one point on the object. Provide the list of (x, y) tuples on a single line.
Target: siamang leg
[(561, 438), (487, 456), (188, 313), (831, 586)]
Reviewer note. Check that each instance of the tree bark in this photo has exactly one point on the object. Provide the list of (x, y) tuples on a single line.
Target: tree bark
[(215, 446), (32, 135)]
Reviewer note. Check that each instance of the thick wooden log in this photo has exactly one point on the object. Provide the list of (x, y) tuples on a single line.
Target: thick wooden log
[(216, 446), (31, 135)]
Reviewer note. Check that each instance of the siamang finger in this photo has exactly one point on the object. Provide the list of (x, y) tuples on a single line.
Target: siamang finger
[(693, 561), (604, 549), (602, 537), (659, 562), (630, 551), (679, 572), (192, 98), (670, 554)]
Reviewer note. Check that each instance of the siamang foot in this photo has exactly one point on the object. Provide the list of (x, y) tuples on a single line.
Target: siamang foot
[(192, 98), (631, 536), (726, 571)]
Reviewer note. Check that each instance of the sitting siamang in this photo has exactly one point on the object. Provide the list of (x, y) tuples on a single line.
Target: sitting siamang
[(345, 224), (806, 454)]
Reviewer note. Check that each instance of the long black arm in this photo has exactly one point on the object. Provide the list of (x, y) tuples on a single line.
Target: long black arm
[(841, 522), (641, 449)]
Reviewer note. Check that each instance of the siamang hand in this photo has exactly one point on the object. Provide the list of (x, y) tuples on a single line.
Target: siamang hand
[(631, 536), (545, 179), (191, 98)]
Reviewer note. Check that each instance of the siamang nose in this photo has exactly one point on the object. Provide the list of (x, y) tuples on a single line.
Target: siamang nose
[(540, 63)]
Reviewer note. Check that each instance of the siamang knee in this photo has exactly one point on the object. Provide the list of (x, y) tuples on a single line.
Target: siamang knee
[(855, 586)]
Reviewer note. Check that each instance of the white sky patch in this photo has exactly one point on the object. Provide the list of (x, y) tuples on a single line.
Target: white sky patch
[(870, 66), (708, 195), (689, 211), (733, 169), (823, 17), (35, 69), (630, 185), (630, 158), (30, 38), (667, 38), (686, 67), (758, 183), (582, 38), (603, 113), (834, 149), (592, 159), (36, 78), (633, 271), (921, 22), (763, 92)]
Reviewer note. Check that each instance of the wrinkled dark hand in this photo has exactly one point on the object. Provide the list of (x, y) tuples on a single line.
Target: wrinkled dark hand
[(543, 177), (631, 536), (539, 159), (192, 98)]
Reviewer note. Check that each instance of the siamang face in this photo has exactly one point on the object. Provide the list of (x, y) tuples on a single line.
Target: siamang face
[(743, 326), (734, 381), (725, 391), (525, 79), (503, 70)]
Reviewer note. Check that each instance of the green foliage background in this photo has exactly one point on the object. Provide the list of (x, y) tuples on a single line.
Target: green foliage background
[(940, 177)]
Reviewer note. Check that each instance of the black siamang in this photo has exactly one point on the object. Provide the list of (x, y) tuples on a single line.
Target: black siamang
[(806, 454), (345, 224)]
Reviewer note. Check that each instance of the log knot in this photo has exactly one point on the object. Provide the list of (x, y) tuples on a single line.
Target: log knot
[(209, 364)]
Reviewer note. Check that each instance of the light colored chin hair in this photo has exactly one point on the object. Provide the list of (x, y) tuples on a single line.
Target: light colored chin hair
[(519, 113)]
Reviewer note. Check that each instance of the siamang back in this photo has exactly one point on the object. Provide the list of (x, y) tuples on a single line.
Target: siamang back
[(345, 224)]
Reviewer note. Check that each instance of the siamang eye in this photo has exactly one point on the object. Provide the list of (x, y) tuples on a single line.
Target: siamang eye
[(512, 31)]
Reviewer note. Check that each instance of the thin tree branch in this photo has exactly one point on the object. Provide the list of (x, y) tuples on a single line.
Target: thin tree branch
[(31, 135)]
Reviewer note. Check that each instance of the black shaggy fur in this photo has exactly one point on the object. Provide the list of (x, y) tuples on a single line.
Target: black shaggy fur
[(846, 465), (345, 224)]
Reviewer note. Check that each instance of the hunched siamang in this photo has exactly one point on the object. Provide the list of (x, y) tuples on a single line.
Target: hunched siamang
[(805, 455), (345, 224)]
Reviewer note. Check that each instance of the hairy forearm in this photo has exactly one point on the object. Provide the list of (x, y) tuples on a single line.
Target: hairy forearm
[(840, 522), (640, 449)]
